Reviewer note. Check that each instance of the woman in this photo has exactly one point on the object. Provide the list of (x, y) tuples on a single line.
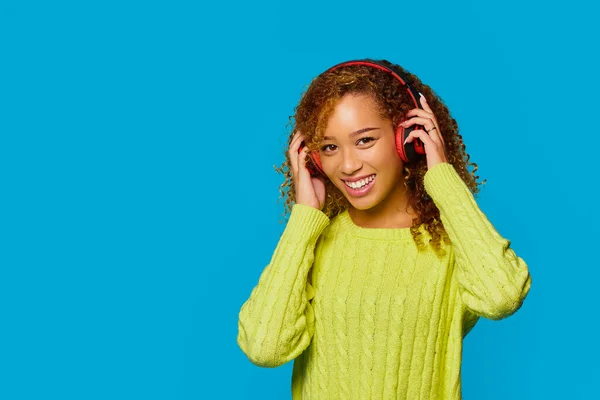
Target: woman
[(386, 262)]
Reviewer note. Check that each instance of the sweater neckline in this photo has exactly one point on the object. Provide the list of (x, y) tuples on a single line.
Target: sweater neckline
[(348, 225)]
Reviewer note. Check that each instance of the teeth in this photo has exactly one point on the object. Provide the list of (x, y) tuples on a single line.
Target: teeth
[(361, 183)]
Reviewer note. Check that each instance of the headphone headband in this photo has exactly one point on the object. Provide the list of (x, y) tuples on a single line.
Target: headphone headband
[(382, 67)]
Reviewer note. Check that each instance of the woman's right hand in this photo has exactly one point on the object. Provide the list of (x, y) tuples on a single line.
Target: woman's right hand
[(310, 190)]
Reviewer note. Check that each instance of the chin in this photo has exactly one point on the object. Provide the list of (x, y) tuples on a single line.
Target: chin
[(364, 203), (362, 207)]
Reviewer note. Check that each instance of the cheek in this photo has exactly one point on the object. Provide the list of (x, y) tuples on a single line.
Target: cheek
[(385, 155)]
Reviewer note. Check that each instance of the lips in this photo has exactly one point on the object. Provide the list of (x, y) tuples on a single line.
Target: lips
[(361, 191), (365, 179)]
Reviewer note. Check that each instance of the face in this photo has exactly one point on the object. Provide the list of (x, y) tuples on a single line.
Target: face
[(359, 143)]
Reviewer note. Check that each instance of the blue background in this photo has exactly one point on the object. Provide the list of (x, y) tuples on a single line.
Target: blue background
[(140, 203)]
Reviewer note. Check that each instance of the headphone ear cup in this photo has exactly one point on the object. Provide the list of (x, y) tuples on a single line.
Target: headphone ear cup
[(317, 161), (314, 165), (401, 135), (412, 151)]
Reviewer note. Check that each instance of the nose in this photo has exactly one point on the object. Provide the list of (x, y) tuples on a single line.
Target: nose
[(350, 162)]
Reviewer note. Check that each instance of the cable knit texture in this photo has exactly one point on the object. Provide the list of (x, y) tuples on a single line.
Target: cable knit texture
[(365, 315)]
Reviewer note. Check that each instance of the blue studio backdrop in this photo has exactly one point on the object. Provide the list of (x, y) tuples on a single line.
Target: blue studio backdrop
[(140, 203)]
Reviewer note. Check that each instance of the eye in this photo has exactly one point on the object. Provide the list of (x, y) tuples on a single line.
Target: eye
[(367, 139), (324, 148)]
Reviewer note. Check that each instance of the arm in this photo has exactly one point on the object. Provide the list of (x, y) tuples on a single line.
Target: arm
[(276, 323), (493, 280)]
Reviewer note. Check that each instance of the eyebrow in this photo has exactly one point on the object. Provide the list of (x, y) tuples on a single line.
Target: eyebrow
[(358, 132)]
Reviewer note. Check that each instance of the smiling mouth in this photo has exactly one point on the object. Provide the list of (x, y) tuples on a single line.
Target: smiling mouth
[(363, 183)]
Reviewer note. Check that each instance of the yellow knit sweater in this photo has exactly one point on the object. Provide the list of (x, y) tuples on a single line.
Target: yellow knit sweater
[(365, 315)]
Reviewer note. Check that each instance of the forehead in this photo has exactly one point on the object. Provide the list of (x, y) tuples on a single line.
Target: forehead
[(352, 111)]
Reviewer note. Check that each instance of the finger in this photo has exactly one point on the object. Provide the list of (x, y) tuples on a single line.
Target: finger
[(293, 153), (436, 136), (420, 113), (296, 140), (425, 138), (302, 157), (302, 160), (425, 112), (294, 163), (426, 107), (429, 127), (426, 122), (292, 138), (436, 133), (424, 103), (293, 149)]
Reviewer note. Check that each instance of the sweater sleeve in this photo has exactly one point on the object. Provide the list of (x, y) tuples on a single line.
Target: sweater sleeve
[(276, 323), (493, 281)]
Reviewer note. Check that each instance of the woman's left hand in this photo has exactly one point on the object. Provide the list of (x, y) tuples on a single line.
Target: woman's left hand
[(433, 141)]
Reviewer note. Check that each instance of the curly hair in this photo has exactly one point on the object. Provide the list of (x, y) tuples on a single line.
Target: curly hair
[(393, 101)]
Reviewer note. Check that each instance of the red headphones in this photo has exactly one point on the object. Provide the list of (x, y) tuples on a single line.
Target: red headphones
[(412, 151)]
